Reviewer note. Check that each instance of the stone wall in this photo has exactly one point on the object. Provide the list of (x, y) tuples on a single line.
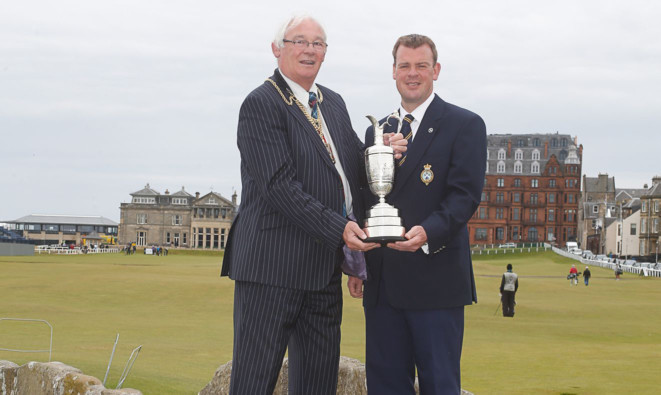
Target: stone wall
[(52, 378), (350, 380)]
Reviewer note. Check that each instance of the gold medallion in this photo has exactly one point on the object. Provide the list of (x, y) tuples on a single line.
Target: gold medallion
[(427, 176)]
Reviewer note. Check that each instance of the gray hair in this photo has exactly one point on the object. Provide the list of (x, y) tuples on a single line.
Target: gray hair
[(291, 23)]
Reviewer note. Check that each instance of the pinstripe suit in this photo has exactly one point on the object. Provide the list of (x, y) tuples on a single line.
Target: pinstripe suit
[(284, 249)]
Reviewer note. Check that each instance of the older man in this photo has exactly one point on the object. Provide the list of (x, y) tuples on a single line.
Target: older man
[(301, 174)]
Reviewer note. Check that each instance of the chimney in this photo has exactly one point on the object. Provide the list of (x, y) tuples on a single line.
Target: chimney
[(546, 149), (234, 198), (509, 148), (197, 195), (656, 180), (167, 192)]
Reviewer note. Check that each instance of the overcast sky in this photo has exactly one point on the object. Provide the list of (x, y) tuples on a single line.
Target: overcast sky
[(98, 98)]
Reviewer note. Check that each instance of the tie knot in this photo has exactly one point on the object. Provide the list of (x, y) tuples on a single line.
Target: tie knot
[(408, 118)]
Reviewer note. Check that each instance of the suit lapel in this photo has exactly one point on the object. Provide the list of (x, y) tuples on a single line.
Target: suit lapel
[(427, 131), (308, 130)]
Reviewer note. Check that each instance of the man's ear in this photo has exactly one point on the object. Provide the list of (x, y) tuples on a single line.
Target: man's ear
[(276, 50)]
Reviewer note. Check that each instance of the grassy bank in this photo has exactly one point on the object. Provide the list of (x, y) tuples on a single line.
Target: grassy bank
[(601, 339)]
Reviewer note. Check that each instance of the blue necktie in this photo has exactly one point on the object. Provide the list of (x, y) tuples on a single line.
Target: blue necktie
[(408, 135), (313, 105)]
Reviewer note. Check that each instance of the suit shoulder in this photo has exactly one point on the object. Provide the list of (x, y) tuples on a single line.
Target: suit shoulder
[(455, 110)]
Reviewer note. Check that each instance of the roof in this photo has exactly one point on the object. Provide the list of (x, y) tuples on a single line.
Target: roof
[(600, 184), (64, 220), (226, 202), (146, 191), (559, 145), (628, 193), (653, 192), (182, 193)]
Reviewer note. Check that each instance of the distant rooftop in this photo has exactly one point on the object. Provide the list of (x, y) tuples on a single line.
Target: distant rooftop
[(64, 220)]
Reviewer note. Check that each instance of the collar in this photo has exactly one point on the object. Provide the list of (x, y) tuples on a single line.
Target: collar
[(419, 111), (301, 94)]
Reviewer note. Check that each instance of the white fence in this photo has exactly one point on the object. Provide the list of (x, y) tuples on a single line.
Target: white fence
[(62, 250), (495, 250), (612, 263)]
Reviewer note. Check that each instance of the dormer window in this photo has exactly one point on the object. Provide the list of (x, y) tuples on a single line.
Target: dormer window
[(180, 201), (212, 200), (144, 200)]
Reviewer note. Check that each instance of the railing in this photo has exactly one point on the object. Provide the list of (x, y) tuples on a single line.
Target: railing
[(50, 347), (493, 249), (613, 264), (60, 250)]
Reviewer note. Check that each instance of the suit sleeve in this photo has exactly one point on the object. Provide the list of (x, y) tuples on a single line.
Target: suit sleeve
[(265, 151), (465, 180)]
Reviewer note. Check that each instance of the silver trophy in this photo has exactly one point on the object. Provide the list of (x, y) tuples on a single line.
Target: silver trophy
[(383, 223)]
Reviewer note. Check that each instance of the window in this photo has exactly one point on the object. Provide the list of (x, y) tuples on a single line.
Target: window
[(176, 219), (215, 238), (482, 213), (142, 219), (632, 232), (501, 182), (534, 168), (184, 241), (515, 233), (619, 230), (535, 142), (551, 215), (480, 233), (642, 247), (595, 209), (552, 183), (535, 154), (554, 142), (167, 237), (144, 200), (501, 154), (570, 198), (484, 197), (515, 213), (517, 197), (176, 240), (181, 201), (500, 167), (518, 167), (68, 228), (551, 197), (500, 234), (499, 213), (518, 155), (643, 206), (655, 227), (532, 217), (643, 225), (533, 198), (500, 197), (564, 142), (212, 200), (532, 234), (656, 206), (549, 234), (51, 228), (534, 183), (208, 234), (520, 143)]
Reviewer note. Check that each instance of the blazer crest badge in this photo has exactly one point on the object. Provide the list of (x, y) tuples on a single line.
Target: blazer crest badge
[(427, 176)]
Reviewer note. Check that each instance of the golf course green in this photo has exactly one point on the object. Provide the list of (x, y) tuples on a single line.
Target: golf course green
[(600, 339)]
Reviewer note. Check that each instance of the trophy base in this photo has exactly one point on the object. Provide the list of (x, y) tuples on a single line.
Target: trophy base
[(384, 234)]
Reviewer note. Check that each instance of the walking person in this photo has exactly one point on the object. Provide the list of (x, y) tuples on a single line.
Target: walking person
[(586, 275), (573, 275), (509, 284)]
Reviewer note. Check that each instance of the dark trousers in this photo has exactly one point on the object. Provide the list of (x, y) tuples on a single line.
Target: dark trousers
[(269, 320), (399, 341), (508, 303)]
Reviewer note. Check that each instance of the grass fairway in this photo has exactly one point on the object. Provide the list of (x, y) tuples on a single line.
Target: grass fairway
[(601, 339)]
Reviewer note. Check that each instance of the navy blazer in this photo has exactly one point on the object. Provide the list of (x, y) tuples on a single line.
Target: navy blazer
[(452, 142), (288, 232)]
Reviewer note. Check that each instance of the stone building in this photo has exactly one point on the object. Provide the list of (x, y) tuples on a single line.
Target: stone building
[(531, 190), (67, 229), (598, 209), (650, 216), (177, 220)]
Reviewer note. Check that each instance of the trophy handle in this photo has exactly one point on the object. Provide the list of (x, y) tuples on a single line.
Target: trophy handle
[(378, 130)]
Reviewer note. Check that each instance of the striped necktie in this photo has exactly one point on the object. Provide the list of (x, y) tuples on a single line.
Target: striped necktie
[(408, 135)]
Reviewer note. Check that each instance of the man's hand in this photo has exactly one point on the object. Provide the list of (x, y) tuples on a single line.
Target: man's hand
[(355, 286), (397, 142), (353, 237), (416, 237)]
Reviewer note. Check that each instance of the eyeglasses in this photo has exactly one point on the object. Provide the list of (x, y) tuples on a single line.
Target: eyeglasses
[(304, 44)]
